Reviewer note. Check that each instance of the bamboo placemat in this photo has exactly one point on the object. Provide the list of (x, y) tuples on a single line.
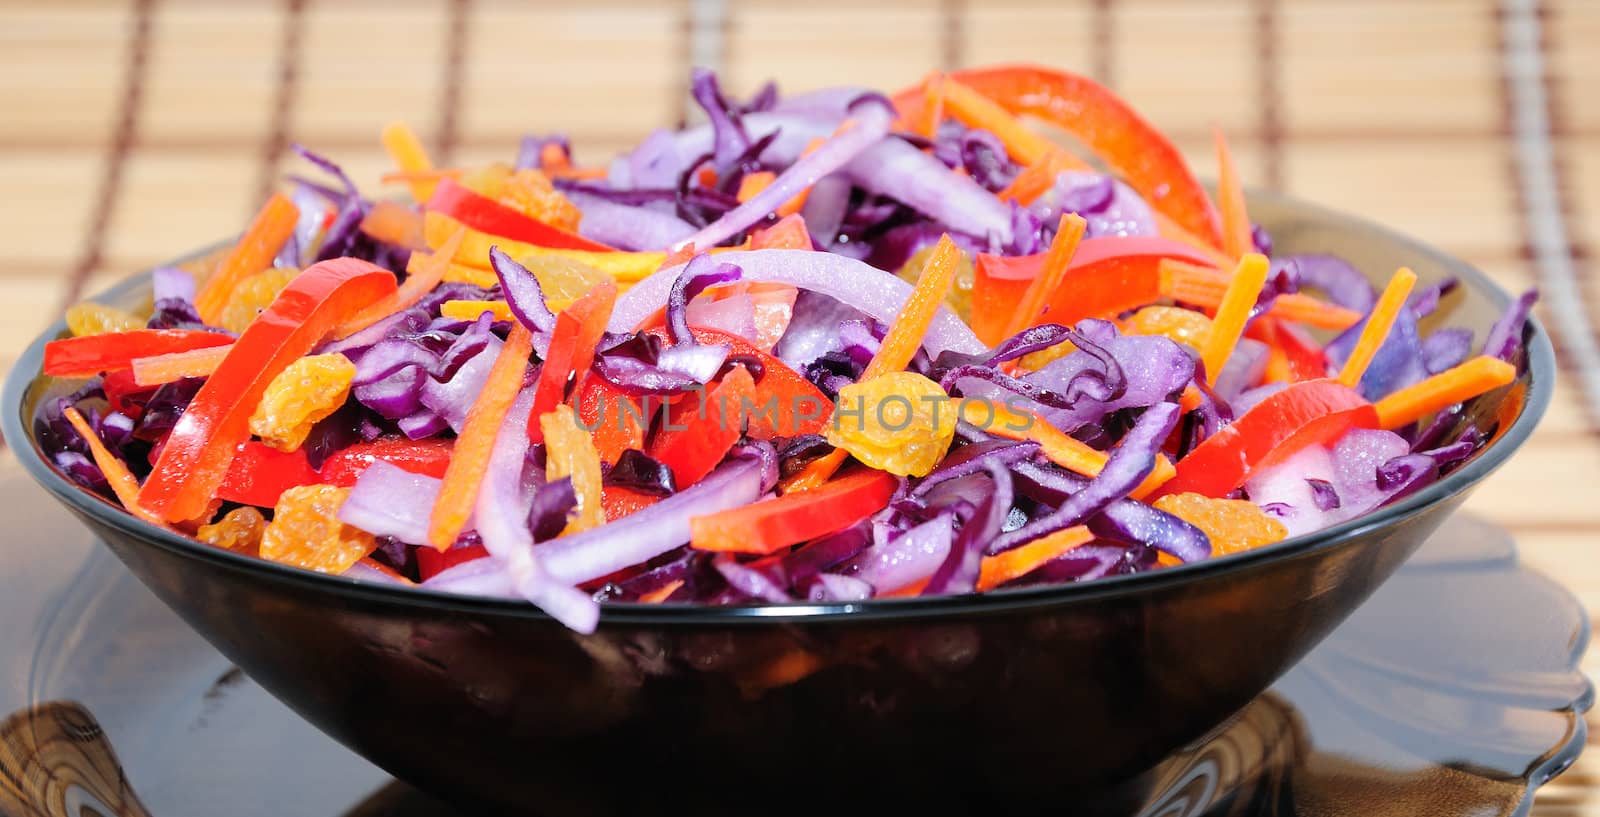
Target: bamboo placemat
[(138, 129)]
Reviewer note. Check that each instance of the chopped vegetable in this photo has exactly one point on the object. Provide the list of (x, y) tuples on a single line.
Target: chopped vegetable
[(302, 395), (1233, 312), (1442, 390), (767, 527), (254, 253), (90, 355), (1377, 327)]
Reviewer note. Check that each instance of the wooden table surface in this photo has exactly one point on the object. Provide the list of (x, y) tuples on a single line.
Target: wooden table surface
[(136, 129)]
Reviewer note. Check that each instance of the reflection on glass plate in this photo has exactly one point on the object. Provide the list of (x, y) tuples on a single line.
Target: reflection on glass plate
[(1454, 691)]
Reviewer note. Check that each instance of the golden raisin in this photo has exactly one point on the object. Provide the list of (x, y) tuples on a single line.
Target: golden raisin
[(238, 529), (90, 318), (570, 452), (252, 295), (900, 422), (309, 390), (959, 296), (562, 279), (1182, 325), (527, 191), (305, 531), (1234, 525)]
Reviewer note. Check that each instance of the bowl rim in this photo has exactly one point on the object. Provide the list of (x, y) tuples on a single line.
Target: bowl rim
[(1541, 373)]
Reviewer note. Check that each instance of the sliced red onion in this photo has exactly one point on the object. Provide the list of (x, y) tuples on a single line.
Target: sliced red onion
[(699, 362), (700, 273), (791, 132), (400, 323), (363, 572), (503, 500), (895, 169), (479, 577), (749, 581), (903, 560), (728, 138), (1136, 523), (422, 423), (388, 500), (832, 587), (821, 103), (735, 315), (871, 125), (1110, 207), (825, 208), (1243, 369), (650, 532), (628, 227), (866, 288), (814, 331), (396, 395), (655, 163), (1130, 463), (299, 251)]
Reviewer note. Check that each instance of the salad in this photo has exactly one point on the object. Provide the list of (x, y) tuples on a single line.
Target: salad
[(832, 346)]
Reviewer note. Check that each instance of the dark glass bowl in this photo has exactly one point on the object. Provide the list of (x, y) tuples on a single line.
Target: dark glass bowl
[(1028, 701)]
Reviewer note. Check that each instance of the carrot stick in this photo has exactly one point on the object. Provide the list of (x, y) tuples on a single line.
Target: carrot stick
[(753, 183), (470, 310), (159, 369), (1236, 240), (406, 150), (1205, 287), (661, 593), (1446, 388), (1063, 450), (932, 106), (816, 472), (394, 223), (256, 248), (1039, 177), (469, 459), (423, 273), (916, 314), (1233, 312), (123, 483), (978, 111), (994, 571), (1043, 287), (1378, 325), (413, 176)]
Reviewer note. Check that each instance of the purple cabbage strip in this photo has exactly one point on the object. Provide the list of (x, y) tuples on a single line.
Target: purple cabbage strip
[(1130, 463), (959, 571), (1335, 278), (1505, 337)]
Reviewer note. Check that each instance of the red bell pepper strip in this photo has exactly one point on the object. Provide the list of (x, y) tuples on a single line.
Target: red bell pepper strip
[(1304, 414), (1305, 358), (119, 386), (619, 502), (1106, 275), (1135, 150), (789, 233), (696, 436), (429, 457), (195, 459), (768, 526), (90, 355), (432, 562), (572, 346), (785, 403), (486, 215), (614, 418), (259, 474)]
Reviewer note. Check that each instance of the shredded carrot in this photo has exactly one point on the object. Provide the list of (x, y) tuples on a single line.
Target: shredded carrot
[(406, 150), (978, 111), (1205, 287), (470, 310), (552, 159), (1062, 449), (1236, 240), (1018, 562), (580, 173), (1379, 322), (160, 369), (423, 273), (661, 593), (469, 459), (1043, 287), (1233, 312), (256, 248), (123, 483), (394, 223), (1039, 177), (932, 106), (916, 314), (753, 183), (911, 590), (816, 472), (1446, 388), (1190, 399), (412, 176)]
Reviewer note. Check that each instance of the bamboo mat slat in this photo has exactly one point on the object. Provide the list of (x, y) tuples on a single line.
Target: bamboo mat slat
[(1395, 110)]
